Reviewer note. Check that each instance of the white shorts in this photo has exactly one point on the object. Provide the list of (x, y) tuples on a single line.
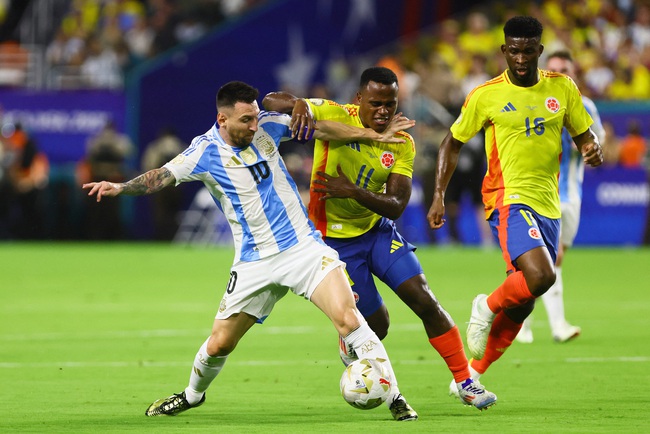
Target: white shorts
[(255, 287), (569, 223)]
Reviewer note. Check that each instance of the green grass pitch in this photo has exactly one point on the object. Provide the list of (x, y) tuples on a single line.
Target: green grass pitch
[(91, 334)]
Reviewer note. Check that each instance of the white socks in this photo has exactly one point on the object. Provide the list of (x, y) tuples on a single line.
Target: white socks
[(205, 370), (554, 302), (368, 346)]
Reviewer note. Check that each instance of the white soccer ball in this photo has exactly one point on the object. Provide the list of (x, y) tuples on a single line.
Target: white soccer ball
[(365, 383)]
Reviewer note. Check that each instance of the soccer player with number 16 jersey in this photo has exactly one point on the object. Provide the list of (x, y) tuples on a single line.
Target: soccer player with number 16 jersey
[(522, 112)]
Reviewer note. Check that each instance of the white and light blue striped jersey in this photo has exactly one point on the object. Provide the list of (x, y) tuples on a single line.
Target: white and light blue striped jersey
[(251, 186), (572, 167)]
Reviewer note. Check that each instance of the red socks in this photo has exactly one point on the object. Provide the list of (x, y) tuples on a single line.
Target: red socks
[(512, 292), (450, 346), (502, 334)]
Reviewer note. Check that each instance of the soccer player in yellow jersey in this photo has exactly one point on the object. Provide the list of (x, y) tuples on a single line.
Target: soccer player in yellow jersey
[(358, 189), (522, 112)]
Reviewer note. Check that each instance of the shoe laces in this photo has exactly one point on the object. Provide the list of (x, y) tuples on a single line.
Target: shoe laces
[(399, 404), (473, 386)]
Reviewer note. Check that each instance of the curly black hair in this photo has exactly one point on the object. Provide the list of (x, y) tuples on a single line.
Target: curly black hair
[(523, 27), (378, 74)]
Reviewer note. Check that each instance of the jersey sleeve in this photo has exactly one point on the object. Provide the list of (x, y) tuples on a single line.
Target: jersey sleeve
[(577, 119), (597, 126), (406, 157), (186, 164), (276, 125), (471, 119), (324, 109)]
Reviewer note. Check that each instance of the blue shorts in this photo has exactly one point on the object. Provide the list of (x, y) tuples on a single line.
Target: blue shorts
[(518, 229), (382, 252)]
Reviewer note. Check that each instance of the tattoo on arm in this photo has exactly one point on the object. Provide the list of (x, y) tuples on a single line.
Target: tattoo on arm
[(149, 182)]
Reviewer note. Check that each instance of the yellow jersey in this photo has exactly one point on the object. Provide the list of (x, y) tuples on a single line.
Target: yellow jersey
[(366, 164), (523, 130)]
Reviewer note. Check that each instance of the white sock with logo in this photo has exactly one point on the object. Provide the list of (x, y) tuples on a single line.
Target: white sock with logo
[(205, 369), (368, 346)]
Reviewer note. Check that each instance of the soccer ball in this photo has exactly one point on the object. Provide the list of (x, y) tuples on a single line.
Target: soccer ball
[(365, 383)]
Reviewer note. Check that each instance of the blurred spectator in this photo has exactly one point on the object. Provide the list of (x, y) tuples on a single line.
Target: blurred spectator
[(163, 21), (613, 148), (25, 177), (465, 184), (634, 147), (100, 67), (57, 52), (107, 155), (640, 28), (438, 82), (476, 75), (190, 28), (139, 38), (167, 203), (632, 78), (598, 78), (478, 38), (448, 48), (612, 25), (231, 8), (13, 64), (408, 80)]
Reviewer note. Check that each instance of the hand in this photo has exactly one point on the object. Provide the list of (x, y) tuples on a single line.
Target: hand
[(302, 121), (334, 186), (103, 188), (398, 123), (436, 213), (592, 153)]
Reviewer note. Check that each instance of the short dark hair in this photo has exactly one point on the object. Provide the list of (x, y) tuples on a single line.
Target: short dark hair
[(378, 74), (236, 91), (523, 27), (561, 54)]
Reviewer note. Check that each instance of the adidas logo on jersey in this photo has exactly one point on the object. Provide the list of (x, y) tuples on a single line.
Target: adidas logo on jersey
[(508, 108)]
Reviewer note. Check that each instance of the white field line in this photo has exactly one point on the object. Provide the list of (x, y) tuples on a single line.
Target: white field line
[(67, 336), (263, 329), (174, 364), (116, 334)]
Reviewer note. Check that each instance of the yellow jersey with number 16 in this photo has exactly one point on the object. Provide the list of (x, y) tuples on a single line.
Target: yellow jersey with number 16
[(523, 130)]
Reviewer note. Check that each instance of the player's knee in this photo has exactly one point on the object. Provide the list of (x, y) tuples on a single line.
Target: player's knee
[(379, 321), (381, 331), (520, 313), (347, 320), (219, 345), (540, 281)]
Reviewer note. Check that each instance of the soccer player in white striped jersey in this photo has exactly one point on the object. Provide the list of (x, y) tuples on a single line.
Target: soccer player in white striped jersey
[(276, 246), (572, 169)]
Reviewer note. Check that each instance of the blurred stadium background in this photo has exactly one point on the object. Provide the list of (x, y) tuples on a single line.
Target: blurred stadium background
[(105, 89)]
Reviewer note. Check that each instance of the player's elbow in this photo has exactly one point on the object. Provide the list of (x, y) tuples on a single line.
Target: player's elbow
[(395, 211), (279, 102)]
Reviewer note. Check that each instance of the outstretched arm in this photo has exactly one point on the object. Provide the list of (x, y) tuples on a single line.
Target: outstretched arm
[(147, 183), (447, 161), (331, 130), (590, 148), (282, 102)]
